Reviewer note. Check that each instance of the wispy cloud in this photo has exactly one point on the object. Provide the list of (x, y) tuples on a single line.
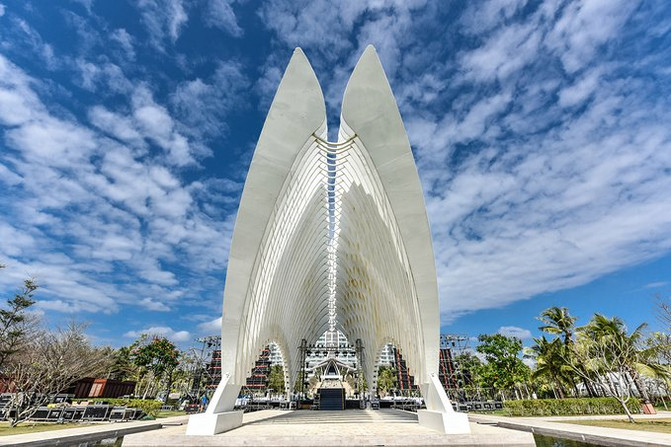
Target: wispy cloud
[(540, 132), (171, 334), (164, 20), (514, 331), (125, 41), (96, 212), (211, 327), (220, 14), (541, 145), (202, 104)]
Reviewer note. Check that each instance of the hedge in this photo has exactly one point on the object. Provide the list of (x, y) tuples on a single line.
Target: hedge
[(569, 407), (149, 406)]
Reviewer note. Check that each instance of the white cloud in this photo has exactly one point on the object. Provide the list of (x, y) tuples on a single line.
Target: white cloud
[(506, 52), (2, 9), (581, 90), (163, 19), (211, 327), (514, 331), (203, 104), (106, 77), (584, 26), (220, 13), (171, 334), (125, 40), (127, 216), (156, 124)]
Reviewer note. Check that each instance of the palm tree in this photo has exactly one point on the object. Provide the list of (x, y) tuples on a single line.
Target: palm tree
[(558, 321), (550, 365), (638, 360)]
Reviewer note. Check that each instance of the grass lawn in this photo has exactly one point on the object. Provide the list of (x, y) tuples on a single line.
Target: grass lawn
[(167, 414), (33, 427), (657, 425)]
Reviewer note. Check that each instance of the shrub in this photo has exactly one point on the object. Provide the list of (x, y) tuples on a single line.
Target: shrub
[(568, 407)]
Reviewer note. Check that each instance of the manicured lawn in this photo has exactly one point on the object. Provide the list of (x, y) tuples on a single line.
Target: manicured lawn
[(656, 425), (167, 414), (33, 427)]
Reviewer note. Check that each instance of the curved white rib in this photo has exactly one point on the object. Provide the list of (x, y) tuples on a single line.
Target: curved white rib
[(387, 227), (276, 266)]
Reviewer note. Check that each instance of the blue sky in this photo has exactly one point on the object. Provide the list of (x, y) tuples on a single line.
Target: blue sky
[(540, 130)]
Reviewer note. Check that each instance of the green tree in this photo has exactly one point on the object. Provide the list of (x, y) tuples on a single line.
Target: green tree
[(386, 379), (558, 321), (550, 365), (13, 327), (503, 368), (466, 367), (276, 378), (157, 358), (121, 366), (627, 348)]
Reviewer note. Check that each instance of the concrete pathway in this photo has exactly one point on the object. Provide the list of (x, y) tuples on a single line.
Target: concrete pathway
[(88, 433), (586, 433), (333, 428)]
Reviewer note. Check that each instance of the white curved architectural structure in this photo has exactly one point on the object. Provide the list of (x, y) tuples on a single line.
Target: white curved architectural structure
[(331, 236)]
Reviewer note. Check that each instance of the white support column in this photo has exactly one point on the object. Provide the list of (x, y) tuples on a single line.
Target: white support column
[(439, 414), (220, 415)]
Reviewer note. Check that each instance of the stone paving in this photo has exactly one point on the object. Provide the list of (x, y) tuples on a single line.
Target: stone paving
[(333, 428)]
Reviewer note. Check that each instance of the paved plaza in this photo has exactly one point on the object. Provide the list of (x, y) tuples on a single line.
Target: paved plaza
[(333, 428)]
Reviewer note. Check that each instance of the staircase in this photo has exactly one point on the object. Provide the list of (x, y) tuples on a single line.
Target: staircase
[(331, 398)]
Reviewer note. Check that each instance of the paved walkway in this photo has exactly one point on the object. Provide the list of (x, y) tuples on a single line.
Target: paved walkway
[(333, 428), (599, 435), (88, 433)]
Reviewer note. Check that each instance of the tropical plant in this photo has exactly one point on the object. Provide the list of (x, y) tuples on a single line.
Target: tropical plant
[(276, 378), (503, 368), (466, 367), (120, 365), (386, 379), (558, 321), (157, 357), (640, 360), (550, 366), (608, 356)]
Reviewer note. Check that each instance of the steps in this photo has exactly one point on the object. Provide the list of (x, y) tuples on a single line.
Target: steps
[(332, 398)]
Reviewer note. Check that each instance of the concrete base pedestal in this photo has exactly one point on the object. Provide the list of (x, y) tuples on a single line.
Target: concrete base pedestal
[(452, 423), (208, 424)]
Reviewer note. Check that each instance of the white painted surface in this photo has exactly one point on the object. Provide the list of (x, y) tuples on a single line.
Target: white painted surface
[(449, 423), (209, 424)]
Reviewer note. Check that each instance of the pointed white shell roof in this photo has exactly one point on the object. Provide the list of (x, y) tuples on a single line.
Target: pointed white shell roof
[(342, 221)]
